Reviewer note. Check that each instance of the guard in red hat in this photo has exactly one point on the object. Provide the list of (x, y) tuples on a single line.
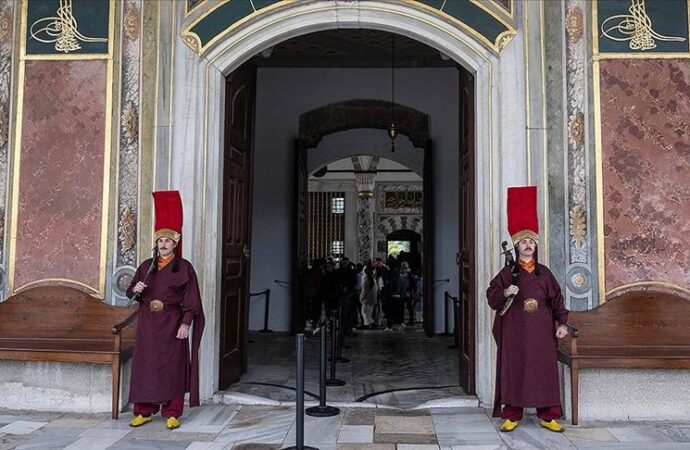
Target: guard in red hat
[(531, 318), (166, 286)]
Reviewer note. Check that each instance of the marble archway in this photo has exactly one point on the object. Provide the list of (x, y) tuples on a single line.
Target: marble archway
[(501, 137)]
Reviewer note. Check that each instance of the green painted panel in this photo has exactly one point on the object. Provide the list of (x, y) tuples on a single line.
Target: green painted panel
[(643, 26), (230, 13), (471, 14), (80, 26), (226, 15)]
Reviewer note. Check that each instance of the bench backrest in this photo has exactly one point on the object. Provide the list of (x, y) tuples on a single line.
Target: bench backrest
[(58, 312), (641, 317)]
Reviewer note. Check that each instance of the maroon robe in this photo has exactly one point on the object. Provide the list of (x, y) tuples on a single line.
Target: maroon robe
[(161, 365), (526, 362)]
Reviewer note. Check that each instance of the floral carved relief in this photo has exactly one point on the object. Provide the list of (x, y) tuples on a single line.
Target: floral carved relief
[(128, 230), (131, 22), (576, 55), (574, 24)]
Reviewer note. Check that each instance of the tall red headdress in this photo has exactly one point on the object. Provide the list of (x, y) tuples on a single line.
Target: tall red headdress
[(168, 207), (523, 221)]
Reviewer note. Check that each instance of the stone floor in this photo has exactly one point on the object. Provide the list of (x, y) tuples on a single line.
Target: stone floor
[(399, 388), (237, 427), (401, 368)]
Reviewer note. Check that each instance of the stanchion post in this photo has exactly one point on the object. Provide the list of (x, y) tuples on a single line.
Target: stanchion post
[(322, 410), (333, 381), (267, 309), (299, 411), (446, 332), (341, 336)]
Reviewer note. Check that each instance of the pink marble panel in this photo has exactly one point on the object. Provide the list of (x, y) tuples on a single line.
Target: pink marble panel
[(61, 172), (645, 107)]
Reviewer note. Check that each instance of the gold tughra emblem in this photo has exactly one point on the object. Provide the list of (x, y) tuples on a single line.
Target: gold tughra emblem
[(156, 306), (531, 305)]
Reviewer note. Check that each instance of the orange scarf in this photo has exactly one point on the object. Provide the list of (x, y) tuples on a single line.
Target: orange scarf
[(527, 265), (162, 262)]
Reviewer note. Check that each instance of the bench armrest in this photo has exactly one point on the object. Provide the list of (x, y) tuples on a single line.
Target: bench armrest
[(117, 328), (573, 338)]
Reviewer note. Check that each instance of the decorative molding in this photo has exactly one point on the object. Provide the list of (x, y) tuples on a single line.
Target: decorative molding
[(189, 5), (6, 49), (128, 143), (409, 199), (192, 41), (487, 26), (390, 223)]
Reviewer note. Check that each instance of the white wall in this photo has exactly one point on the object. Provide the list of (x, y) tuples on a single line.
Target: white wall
[(282, 95)]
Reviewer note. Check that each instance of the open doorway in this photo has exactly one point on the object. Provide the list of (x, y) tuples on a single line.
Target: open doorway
[(345, 74)]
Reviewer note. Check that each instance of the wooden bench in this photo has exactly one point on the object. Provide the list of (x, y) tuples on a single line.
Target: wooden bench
[(641, 328), (66, 325)]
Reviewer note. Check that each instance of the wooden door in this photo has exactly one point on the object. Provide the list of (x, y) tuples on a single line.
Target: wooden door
[(237, 163), (428, 244), (301, 205), (466, 261)]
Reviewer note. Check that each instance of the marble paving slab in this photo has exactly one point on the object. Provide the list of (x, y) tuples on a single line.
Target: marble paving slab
[(91, 443), (211, 419), (404, 429), (46, 442), (589, 435), (317, 431), (22, 427), (638, 434), (137, 444), (208, 446), (356, 434), (258, 424)]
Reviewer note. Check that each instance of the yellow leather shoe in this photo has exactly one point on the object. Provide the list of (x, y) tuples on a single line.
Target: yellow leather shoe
[(509, 425), (140, 420), (552, 425), (172, 423)]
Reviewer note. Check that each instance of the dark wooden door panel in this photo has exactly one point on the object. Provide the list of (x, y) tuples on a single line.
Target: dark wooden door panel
[(428, 244), (466, 259), (301, 205), (239, 108)]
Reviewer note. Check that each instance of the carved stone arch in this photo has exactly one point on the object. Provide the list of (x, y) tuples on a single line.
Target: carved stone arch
[(393, 222), (362, 113)]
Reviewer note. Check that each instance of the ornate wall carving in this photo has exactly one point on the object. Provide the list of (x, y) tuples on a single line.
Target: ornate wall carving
[(406, 215), (579, 260), (128, 147)]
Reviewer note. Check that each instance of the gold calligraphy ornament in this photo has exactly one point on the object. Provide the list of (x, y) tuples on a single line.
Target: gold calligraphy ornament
[(635, 27), (61, 29)]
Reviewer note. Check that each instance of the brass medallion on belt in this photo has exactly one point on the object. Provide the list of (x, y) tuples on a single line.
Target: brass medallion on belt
[(156, 306), (531, 305)]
